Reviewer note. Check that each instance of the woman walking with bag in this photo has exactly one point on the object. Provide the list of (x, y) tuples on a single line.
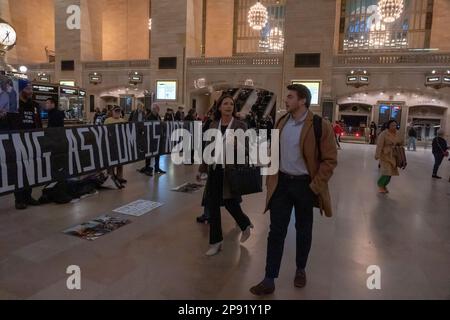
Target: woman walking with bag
[(440, 151), (387, 141), (218, 189)]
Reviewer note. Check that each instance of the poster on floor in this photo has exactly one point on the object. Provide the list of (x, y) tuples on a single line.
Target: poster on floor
[(138, 208), (97, 227), (188, 187)]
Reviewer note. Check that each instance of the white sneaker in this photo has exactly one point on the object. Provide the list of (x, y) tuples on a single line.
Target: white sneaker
[(214, 249), (204, 176), (246, 233)]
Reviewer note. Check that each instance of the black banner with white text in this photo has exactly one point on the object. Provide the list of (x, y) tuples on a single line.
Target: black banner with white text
[(33, 158)]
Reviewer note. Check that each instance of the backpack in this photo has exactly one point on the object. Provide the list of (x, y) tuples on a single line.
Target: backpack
[(317, 125)]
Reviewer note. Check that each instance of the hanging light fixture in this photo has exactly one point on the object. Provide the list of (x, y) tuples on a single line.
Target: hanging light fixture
[(257, 16), (390, 10), (263, 45), (276, 39)]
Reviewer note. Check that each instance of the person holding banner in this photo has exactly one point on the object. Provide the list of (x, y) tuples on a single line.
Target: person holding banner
[(28, 119), (116, 118), (153, 116), (55, 116)]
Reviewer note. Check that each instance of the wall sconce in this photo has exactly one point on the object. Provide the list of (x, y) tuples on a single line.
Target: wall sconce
[(95, 78), (43, 77), (438, 79), (135, 78)]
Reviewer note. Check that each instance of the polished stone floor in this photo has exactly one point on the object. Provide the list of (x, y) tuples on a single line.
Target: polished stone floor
[(161, 255)]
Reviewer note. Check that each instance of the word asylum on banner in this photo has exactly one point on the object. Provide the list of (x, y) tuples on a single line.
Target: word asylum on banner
[(39, 157)]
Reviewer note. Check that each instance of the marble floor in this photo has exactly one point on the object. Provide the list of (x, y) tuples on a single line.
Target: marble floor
[(161, 255)]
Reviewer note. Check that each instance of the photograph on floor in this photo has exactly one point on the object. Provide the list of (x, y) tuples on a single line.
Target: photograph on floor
[(98, 227)]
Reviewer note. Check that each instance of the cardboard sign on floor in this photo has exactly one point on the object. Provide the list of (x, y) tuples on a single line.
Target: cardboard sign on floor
[(188, 187), (138, 208), (97, 227)]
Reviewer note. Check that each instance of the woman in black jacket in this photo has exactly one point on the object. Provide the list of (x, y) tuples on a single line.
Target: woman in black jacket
[(218, 191), (440, 150)]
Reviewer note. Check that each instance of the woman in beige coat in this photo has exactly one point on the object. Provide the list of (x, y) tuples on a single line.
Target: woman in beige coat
[(387, 140)]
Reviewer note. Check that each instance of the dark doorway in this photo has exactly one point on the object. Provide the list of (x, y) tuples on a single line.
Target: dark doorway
[(354, 124)]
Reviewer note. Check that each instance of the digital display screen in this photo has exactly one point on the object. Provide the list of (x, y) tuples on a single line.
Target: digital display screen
[(314, 88), (364, 79), (47, 89), (68, 83), (68, 91), (385, 114), (396, 113), (166, 90), (95, 78), (433, 79), (388, 112)]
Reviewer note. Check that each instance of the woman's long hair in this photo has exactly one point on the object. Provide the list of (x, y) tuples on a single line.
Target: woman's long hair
[(217, 114)]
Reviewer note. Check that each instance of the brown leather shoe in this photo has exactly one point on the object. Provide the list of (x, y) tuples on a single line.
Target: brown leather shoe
[(261, 289), (300, 279)]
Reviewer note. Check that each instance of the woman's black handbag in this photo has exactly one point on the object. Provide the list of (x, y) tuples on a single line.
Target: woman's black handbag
[(244, 179)]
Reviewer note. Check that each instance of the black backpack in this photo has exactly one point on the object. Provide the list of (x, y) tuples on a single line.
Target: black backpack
[(317, 124)]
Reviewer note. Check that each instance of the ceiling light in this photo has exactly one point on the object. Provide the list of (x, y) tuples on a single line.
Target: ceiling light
[(390, 10)]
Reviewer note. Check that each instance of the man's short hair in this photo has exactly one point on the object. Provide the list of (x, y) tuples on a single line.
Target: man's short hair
[(302, 92), (51, 100)]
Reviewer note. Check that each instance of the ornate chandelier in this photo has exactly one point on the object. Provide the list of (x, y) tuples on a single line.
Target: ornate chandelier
[(390, 10), (257, 16), (276, 39)]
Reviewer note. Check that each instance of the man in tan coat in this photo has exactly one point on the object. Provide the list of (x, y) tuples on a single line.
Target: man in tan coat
[(301, 183)]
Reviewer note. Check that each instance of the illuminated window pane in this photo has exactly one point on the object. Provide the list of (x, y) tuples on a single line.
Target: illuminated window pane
[(270, 39), (365, 30)]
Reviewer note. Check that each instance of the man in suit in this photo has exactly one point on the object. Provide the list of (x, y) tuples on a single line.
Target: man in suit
[(301, 183)]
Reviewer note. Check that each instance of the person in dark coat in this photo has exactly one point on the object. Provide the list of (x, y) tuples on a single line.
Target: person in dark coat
[(28, 119), (373, 133), (153, 115), (440, 151), (218, 191), (55, 116), (179, 116)]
